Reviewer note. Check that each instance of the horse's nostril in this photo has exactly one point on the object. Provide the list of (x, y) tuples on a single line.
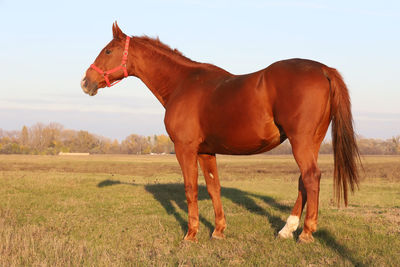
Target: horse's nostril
[(85, 83)]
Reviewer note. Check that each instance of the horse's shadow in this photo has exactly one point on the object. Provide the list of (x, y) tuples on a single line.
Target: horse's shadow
[(171, 196)]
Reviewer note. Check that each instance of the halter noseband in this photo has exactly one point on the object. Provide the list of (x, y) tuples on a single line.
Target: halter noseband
[(122, 66)]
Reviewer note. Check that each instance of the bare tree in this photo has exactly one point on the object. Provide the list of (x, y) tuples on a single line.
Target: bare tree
[(24, 137)]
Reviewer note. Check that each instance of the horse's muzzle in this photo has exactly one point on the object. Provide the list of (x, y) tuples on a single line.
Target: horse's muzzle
[(88, 87)]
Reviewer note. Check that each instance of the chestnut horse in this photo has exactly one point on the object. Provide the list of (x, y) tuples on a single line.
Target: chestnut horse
[(210, 111)]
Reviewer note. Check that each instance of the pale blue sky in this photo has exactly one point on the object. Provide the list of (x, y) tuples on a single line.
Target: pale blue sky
[(47, 45)]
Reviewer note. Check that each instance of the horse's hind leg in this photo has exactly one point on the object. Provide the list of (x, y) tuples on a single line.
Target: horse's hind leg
[(293, 221), (208, 164), (306, 154), (311, 175)]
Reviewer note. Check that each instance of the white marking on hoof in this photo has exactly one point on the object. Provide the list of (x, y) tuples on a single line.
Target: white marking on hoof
[(291, 225), (211, 175)]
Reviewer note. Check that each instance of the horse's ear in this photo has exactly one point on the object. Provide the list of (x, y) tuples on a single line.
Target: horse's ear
[(117, 33)]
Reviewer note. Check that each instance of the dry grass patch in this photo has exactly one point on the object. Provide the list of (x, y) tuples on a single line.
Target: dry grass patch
[(131, 210)]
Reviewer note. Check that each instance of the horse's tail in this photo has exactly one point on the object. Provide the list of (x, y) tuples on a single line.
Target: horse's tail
[(346, 153)]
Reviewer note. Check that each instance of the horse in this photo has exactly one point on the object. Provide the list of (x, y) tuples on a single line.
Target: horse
[(210, 111)]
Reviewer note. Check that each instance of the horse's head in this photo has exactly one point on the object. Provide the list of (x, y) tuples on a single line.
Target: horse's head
[(110, 65)]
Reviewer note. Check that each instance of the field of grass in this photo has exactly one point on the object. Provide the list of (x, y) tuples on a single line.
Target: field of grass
[(131, 210)]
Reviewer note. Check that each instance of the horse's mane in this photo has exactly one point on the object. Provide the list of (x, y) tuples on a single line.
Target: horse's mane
[(156, 42), (166, 49), (174, 53)]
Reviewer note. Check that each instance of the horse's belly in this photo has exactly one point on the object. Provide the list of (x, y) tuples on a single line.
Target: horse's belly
[(243, 141)]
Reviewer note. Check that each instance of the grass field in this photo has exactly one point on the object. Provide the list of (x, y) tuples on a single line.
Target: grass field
[(131, 210)]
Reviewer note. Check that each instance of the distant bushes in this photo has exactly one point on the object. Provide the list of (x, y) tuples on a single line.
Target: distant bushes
[(53, 138), (366, 146)]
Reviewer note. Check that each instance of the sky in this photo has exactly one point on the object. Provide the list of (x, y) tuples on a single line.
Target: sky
[(46, 47)]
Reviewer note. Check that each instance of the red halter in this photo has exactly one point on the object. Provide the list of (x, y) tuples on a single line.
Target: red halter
[(122, 66)]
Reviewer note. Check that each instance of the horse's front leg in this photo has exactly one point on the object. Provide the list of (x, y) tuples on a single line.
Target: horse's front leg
[(187, 158), (208, 164)]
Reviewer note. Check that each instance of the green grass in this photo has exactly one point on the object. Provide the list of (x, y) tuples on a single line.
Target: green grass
[(131, 210)]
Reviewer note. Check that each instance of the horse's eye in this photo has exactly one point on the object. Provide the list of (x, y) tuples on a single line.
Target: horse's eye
[(108, 51)]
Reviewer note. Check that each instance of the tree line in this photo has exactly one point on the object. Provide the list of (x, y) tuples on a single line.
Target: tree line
[(54, 138), (366, 146), (51, 139)]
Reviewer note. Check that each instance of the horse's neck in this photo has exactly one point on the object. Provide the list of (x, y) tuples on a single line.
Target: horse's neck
[(161, 70)]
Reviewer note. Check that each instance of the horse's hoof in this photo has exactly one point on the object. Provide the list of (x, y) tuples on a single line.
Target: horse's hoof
[(191, 239), (306, 238), (217, 236), (285, 235)]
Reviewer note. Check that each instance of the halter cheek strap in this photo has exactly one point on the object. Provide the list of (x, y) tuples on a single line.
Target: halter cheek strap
[(122, 66)]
